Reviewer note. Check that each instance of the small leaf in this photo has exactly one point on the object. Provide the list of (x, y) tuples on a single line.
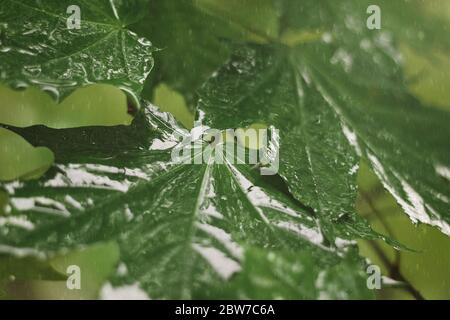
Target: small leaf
[(171, 101), (20, 160)]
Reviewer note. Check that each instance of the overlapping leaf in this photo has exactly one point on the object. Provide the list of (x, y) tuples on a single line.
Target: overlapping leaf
[(333, 99), (190, 51), (184, 230), (37, 47), (193, 36)]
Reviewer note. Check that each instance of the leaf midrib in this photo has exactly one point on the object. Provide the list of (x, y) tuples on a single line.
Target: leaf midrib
[(301, 105)]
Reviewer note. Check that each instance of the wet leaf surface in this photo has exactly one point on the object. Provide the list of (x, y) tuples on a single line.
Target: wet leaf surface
[(37, 47), (333, 106), (334, 89), (194, 37), (184, 230)]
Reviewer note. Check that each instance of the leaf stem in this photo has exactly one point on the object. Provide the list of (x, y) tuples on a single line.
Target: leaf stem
[(393, 268), (394, 272)]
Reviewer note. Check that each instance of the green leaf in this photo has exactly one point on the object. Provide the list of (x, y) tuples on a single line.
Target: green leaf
[(14, 270), (28, 269), (316, 159), (410, 20), (191, 35), (37, 47), (333, 104), (190, 49), (424, 269), (28, 278), (255, 20), (20, 160), (334, 89), (169, 100), (277, 275), (3, 202), (183, 229)]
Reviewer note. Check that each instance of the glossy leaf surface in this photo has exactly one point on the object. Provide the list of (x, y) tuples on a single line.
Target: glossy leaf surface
[(99, 104), (184, 230), (194, 36), (334, 89), (39, 45), (334, 99)]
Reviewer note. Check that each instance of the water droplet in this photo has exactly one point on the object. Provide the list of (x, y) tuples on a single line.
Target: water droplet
[(32, 70), (19, 85), (132, 99), (145, 42), (53, 91)]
